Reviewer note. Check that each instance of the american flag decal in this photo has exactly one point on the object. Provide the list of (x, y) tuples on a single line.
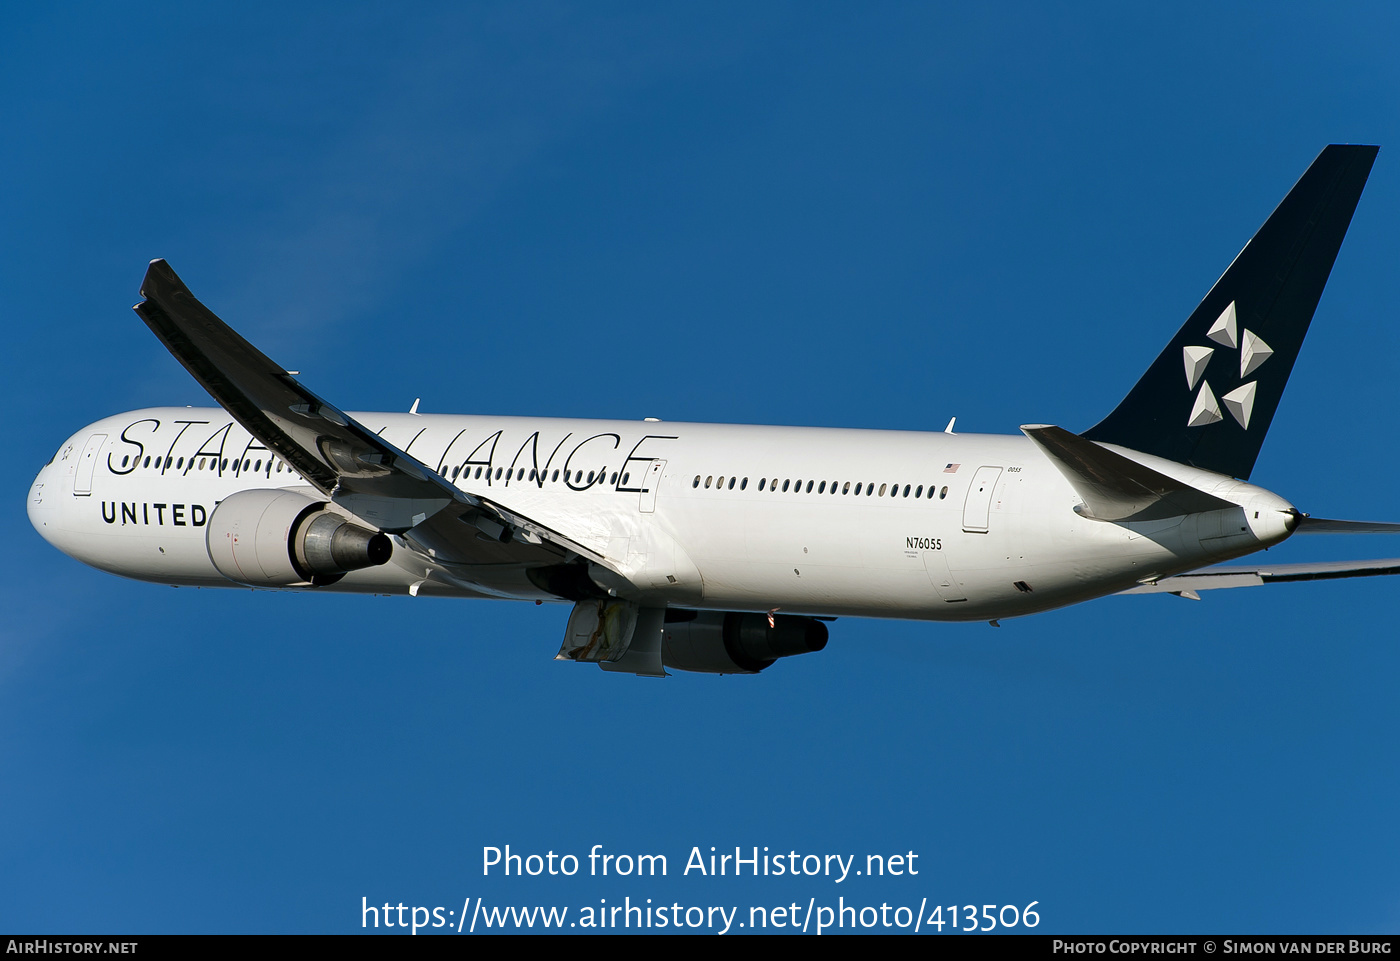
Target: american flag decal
[(951, 468)]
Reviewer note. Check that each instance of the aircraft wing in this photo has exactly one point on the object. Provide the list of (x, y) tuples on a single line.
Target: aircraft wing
[(1214, 578), (348, 463)]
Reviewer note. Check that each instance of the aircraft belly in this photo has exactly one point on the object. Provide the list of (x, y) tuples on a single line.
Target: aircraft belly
[(166, 557), (816, 589)]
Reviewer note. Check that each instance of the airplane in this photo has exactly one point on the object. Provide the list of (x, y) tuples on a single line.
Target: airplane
[(708, 547)]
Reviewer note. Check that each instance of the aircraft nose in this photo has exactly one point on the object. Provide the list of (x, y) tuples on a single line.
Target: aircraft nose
[(35, 501), (42, 501)]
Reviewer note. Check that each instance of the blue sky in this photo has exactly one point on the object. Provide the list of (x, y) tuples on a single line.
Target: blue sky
[(771, 213)]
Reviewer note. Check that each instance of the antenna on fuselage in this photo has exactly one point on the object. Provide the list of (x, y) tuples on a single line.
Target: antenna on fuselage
[(414, 408), (949, 428)]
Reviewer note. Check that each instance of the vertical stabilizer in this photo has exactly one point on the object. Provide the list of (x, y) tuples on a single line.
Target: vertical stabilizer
[(1210, 396)]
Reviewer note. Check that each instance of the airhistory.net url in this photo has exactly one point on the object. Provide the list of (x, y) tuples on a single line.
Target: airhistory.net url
[(811, 918)]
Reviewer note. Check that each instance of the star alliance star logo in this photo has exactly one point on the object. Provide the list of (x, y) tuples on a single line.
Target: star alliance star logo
[(1240, 401)]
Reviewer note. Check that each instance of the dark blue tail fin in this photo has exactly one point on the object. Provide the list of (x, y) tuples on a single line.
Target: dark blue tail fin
[(1210, 396)]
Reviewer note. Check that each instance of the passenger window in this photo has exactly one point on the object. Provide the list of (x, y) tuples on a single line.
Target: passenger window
[(882, 490), (943, 493), (785, 486), (731, 483), (822, 488), (846, 488), (743, 483)]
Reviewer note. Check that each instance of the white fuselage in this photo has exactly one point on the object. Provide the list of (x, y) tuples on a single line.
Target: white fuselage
[(931, 526)]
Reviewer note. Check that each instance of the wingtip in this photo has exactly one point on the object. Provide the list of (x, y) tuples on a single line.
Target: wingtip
[(1367, 150), (162, 274)]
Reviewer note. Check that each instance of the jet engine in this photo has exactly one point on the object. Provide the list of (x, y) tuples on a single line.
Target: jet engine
[(278, 538), (731, 642)]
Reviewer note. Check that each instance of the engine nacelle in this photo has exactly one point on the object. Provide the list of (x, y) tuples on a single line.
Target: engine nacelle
[(277, 538), (730, 642)]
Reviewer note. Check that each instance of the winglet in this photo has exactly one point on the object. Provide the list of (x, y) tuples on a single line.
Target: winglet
[(1113, 487)]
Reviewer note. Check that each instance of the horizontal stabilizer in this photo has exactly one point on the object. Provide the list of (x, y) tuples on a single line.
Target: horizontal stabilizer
[(1321, 525), (1113, 487), (1215, 578)]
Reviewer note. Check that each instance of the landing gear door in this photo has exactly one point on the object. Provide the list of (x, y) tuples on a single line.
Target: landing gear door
[(650, 483), (978, 506)]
